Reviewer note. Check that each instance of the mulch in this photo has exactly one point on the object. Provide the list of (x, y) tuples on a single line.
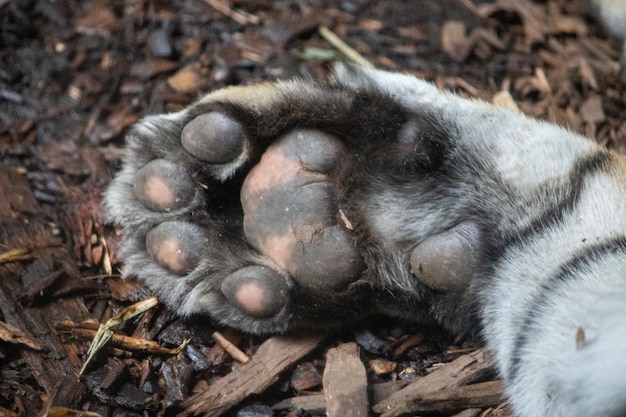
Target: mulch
[(75, 75)]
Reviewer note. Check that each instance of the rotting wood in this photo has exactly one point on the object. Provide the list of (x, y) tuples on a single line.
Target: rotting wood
[(461, 371), (345, 382), (253, 377)]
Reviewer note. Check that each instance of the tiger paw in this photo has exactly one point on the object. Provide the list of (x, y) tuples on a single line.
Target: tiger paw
[(201, 249), (242, 207)]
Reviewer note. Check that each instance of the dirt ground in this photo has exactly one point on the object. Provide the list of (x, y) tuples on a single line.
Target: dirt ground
[(74, 75)]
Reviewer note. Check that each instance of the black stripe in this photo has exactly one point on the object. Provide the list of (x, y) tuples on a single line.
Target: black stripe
[(554, 214), (567, 272)]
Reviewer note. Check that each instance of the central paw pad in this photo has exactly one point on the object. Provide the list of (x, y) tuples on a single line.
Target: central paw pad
[(290, 212)]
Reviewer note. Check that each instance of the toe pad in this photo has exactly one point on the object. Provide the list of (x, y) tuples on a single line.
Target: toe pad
[(163, 186), (176, 245), (213, 138), (256, 291)]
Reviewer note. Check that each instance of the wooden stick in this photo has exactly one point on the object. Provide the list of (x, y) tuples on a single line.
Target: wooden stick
[(232, 350), (343, 47), (121, 341), (239, 17)]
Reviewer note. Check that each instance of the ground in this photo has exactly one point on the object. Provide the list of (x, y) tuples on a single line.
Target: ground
[(75, 75)]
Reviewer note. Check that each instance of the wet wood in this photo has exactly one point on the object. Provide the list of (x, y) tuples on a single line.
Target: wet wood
[(345, 382), (263, 369)]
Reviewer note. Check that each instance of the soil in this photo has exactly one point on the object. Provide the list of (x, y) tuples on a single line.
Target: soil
[(74, 75)]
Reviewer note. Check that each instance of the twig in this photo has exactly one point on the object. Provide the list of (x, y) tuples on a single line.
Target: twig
[(471, 7), (129, 343), (13, 255), (104, 332), (232, 350), (239, 17), (343, 47)]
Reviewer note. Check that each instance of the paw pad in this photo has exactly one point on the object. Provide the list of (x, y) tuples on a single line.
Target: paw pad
[(176, 245), (447, 261), (291, 214), (163, 186), (256, 291), (213, 138)]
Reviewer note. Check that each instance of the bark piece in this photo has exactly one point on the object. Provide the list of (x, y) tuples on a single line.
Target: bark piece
[(383, 390), (305, 377), (14, 335), (453, 40), (450, 400), (345, 382), (253, 377), (187, 80), (461, 371)]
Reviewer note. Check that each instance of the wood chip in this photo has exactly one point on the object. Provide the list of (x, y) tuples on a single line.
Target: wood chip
[(591, 110), (147, 69), (382, 366), (187, 80), (450, 400), (253, 377), (587, 74), (461, 371), (470, 412), (305, 377), (408, 343), (15, 336), (345, 382), (453, 40), (383, 390), (505, 100), (313, 404)]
